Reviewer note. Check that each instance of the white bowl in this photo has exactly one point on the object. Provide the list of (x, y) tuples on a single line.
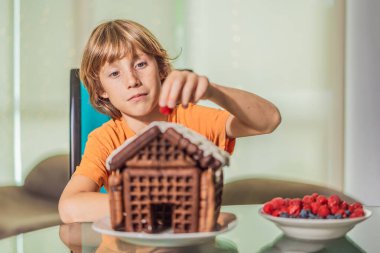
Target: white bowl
[(315, 229)]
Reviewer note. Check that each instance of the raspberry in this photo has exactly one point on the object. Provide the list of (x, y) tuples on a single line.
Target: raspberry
[(321, 199), (351, 208), (268, 208), (276, 213), (354, 215), (357, 213), (284, 209), (294, 210), (344, 205), (323, 211), (342, 213), (333, 200), (334, 209), (277, 202), (314, 196), (306, 207), (165, 110), (307, 199), (295, 202), (314, 207), (357, 205)]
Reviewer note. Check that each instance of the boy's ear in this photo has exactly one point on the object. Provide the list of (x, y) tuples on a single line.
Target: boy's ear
[(162, 75), (104, 95), (162, 72)]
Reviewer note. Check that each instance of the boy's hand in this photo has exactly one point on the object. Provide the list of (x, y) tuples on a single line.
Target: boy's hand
[(183, 87)]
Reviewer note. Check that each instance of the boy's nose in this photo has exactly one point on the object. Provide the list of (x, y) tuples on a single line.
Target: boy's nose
[(135, 84), (133, 80)]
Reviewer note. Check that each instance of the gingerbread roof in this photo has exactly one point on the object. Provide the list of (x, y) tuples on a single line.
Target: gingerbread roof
[(194, 144)]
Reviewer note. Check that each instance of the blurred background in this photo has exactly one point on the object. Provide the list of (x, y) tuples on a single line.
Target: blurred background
[(317, 60)]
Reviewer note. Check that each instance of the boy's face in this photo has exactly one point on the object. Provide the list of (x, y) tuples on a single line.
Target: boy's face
[(132, 84)]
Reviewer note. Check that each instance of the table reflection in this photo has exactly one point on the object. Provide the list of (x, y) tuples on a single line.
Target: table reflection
[(286, 244), (252, 234), (80, 237)]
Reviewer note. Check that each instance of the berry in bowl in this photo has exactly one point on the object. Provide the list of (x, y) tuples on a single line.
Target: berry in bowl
[(314, 217)]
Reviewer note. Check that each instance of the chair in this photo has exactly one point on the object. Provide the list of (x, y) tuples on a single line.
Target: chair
[(83, 119), (35, 204), (261, 190)]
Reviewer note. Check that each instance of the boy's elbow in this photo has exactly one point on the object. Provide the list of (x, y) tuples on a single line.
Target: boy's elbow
[(275, 121), (66, 211)]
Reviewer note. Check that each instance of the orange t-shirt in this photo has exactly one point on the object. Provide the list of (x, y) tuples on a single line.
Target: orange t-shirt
[(102, 141)]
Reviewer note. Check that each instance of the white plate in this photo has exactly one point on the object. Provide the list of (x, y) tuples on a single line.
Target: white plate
[(226, 222), (315, 229)]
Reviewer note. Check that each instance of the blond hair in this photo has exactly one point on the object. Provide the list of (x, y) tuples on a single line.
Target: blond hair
[(112, 41)]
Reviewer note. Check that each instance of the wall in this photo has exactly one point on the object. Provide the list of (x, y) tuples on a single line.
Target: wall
[(6, 92), (362, 135), (290, 52), (53, 34), (47, 54)]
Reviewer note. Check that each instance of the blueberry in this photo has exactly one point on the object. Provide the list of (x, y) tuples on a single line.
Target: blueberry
[(330, 216), (338, 216), (312, 216), (348, 212), (304, 214), (284, 215)]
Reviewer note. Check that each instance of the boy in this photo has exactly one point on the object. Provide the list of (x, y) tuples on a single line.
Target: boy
[(128, 76)]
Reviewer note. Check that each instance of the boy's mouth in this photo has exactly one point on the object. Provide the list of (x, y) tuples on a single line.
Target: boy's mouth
[(137, 96)]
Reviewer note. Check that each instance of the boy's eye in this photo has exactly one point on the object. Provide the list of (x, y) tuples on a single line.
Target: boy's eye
[(140, 65), (114, 74)]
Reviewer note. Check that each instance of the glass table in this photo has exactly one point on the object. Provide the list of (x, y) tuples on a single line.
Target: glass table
[(252, 234)]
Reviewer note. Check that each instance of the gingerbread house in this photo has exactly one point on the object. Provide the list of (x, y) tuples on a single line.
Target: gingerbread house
[(166, 177)]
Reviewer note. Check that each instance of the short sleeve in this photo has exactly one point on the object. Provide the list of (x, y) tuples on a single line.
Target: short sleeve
[(100, 143), (92, 164), (207, 121)]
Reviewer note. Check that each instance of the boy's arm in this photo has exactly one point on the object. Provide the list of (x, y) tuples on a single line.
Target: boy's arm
[(251, 114), (81, 201)]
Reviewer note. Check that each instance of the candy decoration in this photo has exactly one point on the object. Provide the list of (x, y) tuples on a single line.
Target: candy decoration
[(165, 110)]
